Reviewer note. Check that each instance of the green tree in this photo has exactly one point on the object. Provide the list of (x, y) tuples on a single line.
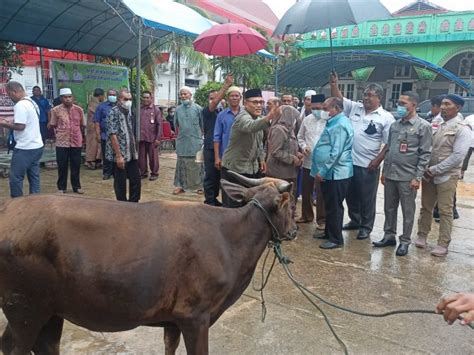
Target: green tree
[(10, 59)]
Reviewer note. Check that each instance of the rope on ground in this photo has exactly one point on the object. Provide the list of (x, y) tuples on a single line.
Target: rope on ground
[(285, 261)]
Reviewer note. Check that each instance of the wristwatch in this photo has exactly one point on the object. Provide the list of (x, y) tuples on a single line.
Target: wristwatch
[(419, 178)]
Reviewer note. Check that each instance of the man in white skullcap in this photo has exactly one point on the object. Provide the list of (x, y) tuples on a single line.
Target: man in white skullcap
[(188, 122), (68, 122)]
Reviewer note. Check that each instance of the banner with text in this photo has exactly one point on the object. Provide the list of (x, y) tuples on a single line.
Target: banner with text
[(83, 77)]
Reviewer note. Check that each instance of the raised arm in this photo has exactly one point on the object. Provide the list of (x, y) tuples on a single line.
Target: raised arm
[(221, 93)]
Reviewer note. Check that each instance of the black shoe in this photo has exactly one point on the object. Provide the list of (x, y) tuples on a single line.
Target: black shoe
[(330, 245), (350, 226), (402, 249), (363, 235), (455, 214), (218, 203), (385, 243), (106, 177), (321, 236)]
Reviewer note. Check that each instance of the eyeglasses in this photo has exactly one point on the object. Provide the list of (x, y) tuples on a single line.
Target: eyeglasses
[(369, 94), (256, 102)]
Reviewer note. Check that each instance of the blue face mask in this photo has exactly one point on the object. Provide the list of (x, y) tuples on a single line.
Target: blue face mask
[(112, 99), (402, 111), (317, 113)]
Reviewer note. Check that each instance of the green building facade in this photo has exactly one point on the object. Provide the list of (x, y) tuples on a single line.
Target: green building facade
[(445, 39)]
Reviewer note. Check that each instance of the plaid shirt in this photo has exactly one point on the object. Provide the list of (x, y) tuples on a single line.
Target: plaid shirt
[(120, 123), (68, 125)]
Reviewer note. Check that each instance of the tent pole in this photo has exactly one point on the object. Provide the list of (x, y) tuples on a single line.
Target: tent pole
[(330, 45), (276, 77), (43, 88), (138, 84)]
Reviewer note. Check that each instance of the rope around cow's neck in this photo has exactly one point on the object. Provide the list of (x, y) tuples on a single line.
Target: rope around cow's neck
[(285, 261)]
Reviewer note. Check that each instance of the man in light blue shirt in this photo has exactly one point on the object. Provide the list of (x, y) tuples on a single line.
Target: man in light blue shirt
[(332, 166)]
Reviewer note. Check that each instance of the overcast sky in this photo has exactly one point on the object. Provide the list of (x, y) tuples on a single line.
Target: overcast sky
[(280, 6)]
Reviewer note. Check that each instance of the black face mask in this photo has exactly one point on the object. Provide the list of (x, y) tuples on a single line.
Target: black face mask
[(371, 129)]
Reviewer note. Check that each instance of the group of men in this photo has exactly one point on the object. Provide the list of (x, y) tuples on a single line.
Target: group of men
[(110, 127), (342, 144)]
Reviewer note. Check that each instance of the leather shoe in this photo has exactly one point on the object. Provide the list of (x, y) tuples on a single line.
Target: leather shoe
[(330, 245), (385, 243), (402, 249), (362, 235), (350, 226), (321, 236)]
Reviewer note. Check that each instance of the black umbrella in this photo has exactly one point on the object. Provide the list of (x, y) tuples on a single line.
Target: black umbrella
[(311, 15)]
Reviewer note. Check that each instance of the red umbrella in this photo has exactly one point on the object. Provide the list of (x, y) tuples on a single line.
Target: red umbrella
[(229, 40)]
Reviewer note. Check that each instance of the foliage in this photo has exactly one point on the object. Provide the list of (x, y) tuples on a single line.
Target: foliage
[(145, 82), (10, 57), (201, 94)]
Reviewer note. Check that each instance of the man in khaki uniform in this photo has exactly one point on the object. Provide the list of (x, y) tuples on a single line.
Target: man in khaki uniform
[(408, 154), (450, 144)]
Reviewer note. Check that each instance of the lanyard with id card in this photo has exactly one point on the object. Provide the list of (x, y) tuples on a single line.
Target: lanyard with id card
[(404, 144)]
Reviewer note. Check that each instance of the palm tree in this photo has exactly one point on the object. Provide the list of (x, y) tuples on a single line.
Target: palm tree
[(181, 51)]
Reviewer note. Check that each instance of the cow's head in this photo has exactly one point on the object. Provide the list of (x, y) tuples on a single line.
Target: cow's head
[(274, 195)]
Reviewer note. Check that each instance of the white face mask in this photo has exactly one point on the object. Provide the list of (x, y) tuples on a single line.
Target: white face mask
[(127, 105)]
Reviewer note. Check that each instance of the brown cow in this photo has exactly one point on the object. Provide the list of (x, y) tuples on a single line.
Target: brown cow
[(111, 266)]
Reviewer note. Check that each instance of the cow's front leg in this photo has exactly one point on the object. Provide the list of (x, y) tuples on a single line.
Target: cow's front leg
[(196, 335), (49, 338), (171, 337)]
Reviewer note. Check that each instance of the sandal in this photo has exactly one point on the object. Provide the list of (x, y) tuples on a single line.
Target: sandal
[(89, 165), (178, 191), (300, 220)]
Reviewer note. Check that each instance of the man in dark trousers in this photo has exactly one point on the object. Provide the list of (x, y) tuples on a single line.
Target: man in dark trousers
[(332, 167), (122, 149), (209, 115)]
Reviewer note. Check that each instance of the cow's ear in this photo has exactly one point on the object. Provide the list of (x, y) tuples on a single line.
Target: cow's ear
[(282, 200), (235, 192)]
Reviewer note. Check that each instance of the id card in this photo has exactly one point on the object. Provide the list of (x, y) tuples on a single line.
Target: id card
[(403, 147)]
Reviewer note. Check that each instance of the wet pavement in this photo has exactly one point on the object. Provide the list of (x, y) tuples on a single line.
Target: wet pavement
[(357, 276)]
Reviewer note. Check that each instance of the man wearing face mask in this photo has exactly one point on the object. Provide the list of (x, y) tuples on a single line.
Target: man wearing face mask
[(68, 122), (408, 154), (122, 150), (332, 167), (371, 125), (308, 135), (100, 117), (188, 122)]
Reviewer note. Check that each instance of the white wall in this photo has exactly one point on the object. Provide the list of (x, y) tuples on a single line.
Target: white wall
[(31, 76)]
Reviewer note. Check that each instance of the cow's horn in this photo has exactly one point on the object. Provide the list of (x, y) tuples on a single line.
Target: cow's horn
[(247, 182), (282, 185)]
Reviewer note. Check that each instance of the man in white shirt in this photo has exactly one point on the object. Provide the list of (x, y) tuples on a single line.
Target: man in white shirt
[(308, 135), (371, 125), (468, 121), (29, 144)]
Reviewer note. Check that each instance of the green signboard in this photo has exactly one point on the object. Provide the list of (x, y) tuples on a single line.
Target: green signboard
[(82, 78)]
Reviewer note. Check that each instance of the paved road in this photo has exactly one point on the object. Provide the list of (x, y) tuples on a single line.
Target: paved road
[(356, 276)]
